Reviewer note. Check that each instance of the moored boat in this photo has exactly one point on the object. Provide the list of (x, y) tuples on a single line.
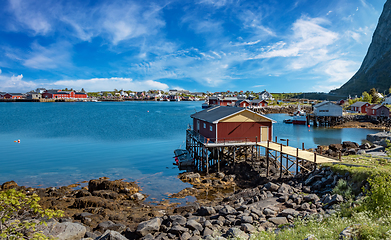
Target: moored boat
[(183, 158), (205, 105)]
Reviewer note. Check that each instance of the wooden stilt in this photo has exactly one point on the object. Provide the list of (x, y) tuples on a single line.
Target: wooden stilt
[(207, 162), (281, 160), (218, 160), (267, 159), (297, 160)]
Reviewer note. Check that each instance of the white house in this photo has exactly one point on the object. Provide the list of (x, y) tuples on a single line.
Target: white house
[(265, 95), (327, 109), (387, 99)]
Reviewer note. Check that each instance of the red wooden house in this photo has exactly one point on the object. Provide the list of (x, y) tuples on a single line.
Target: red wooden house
[(243, 103), (378, 111), (232, 124), (13, 96), (259, 103), (359, 107), (58, 94)]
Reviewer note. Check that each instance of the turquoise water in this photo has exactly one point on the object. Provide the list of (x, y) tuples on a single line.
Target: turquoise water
[(65, 143)]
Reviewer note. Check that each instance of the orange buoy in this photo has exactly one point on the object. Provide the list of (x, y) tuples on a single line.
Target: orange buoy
[(308, 125), (18, 140)]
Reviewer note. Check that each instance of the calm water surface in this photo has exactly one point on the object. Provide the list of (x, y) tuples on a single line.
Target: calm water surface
[(65, 143)]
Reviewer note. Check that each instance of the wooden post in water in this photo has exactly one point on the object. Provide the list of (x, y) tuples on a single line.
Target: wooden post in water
[(207, 162), (267, 159), (280, 160), (218, 160), (302, 146), (234, 155), (297, 161)]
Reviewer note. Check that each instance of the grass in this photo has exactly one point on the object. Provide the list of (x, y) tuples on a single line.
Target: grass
[(365, 225), (370, 216)]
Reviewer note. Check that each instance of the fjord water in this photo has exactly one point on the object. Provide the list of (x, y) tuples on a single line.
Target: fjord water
[(65, 143)]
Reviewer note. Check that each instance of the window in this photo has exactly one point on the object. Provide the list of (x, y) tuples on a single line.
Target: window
[(204, 125), (211, 128)]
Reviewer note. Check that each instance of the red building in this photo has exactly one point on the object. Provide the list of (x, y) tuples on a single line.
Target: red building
[(13, 96), (378, 111), (230, 124), (58, 94), (359, 107), (259, 103), (243, 103)]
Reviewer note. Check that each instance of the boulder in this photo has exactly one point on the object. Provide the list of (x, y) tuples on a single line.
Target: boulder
[(137, 197), (63, 231), (93, 201), (278, 220), (271, 186), (236, 233), (331, 200), (178, 230), (9, 185), (178, 219), (335, 147), (109, 225), (247, 228), (206, 211), (150, 226), (107, 194), (285, 188), (194, 225), (311, 198), (116, 186), (289, 212), (348, 145), (111, 235), (246, 219), (190, 177), (227, 210)]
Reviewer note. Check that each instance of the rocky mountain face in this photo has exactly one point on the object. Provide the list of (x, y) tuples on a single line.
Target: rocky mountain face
[(375, 71)]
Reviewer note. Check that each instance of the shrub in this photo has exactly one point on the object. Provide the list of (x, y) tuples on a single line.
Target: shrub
[(14, 204), (379, 194), (344, 189)]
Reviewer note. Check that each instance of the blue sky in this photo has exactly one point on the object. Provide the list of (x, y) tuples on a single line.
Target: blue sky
[(202, 45)]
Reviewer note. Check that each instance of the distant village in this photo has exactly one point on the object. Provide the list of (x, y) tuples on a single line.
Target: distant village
[(371, 104)]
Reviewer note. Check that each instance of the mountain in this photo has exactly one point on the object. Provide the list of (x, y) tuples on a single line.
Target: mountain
[(375, 71)]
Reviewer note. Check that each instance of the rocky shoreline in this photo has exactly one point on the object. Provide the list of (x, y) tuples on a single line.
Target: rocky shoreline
[(231, 204), (235, 202)]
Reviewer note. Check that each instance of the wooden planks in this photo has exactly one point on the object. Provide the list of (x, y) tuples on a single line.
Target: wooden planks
[(292, 151)]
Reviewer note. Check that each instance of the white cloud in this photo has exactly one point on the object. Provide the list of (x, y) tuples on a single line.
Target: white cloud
[(29, 16), (307, 46), (15, 83), (50, 57), (341, 70), (215, 3), (99, 84)]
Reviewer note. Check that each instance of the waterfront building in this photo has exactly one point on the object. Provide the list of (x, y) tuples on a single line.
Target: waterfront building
[(378, 110), (59, 94), (327, 109), (13, 96), (218, 124), (359, 107), (33, 95), (265, 95)]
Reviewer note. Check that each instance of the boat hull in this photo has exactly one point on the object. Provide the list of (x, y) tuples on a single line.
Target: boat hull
[(184, 158)]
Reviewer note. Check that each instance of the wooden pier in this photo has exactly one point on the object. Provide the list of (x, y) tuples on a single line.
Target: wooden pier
[(289, 160)]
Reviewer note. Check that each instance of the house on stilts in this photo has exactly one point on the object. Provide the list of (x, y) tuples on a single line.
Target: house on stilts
[(225, 135), (222, 130)]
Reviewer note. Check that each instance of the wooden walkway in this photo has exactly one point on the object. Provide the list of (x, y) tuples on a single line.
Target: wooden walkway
[(295, 152)]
